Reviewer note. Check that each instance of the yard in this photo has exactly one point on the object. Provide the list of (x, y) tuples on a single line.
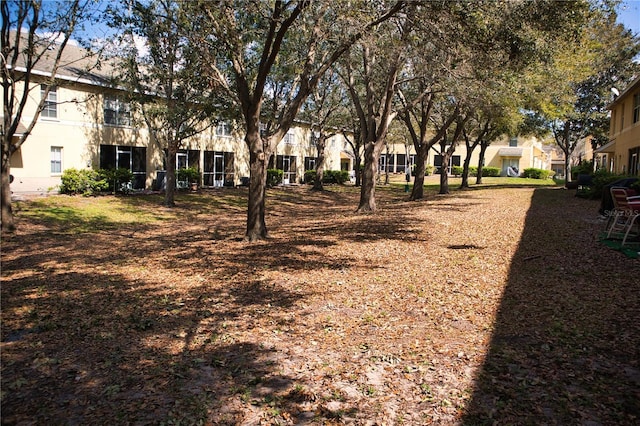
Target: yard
[(495, 304)]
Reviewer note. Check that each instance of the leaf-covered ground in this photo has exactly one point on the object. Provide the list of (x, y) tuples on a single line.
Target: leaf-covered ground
[(489, 306)]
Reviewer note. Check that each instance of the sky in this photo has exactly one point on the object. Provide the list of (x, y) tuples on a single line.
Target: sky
[(629, 15)]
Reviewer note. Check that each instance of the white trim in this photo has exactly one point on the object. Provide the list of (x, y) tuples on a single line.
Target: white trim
[(69, 78)]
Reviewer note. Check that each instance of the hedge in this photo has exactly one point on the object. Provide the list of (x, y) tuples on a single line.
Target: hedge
[(329, 176), (115, 178), (473, 171), (490, 171), (534, 173), (84, 181), (600, 178), (274, 177)]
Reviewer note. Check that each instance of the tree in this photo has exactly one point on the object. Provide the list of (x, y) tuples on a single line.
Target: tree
[(495, 112), (321, 110), (354, 140), (419, 125), (372, 88), (572, 104), (34, 35), (243, 45), (164, 79), (448, 144)]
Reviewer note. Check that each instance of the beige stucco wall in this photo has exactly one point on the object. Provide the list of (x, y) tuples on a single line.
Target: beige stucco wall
[(532, 152), (79, 130), (301, 147), (623, 131)]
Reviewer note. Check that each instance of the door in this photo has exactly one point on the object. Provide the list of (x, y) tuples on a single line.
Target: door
[(181, 163), (123, 158), (218, 169), (286, 168), (634, 166), (510, 167)]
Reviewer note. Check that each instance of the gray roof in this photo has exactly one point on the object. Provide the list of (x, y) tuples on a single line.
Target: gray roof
[(77, 63), (510, 152)]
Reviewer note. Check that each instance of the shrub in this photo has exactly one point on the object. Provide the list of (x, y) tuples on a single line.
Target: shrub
[(428, 170), (534, 173), (309, 176), (335, 176), (458, 170), (115, 178), (584, 168), (329, 176), (490, 171), (274, 177), (600, 178), (189, 174), (85, 182)]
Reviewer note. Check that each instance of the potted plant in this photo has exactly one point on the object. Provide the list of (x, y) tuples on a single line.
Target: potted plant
[(191, 175)]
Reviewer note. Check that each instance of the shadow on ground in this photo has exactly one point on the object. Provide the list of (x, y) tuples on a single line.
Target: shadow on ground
[(158, 323), (566, 344)]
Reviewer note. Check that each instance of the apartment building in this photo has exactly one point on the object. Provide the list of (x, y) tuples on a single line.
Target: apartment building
[(507, 153), (89, 123), (621, 155)]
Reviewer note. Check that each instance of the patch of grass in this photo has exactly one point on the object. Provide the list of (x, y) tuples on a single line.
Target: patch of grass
[(78, 215), (89, 214), (432, 184)]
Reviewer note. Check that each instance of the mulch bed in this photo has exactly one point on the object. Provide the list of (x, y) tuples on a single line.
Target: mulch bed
[(494, 305)]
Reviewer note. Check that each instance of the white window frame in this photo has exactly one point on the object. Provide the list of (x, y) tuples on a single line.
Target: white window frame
[(223, 130), (120, 111), (50, 107), (56, 160), (290, 138)]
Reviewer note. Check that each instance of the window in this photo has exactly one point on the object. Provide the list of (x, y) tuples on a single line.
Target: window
[(634, 161), (50, 109), (290, 138), (218, 169), (56, 159), (382, 163), (513, 141), (622, 117), (287, 163), (309, 163), (636, 107), (510, 167), (401, 163), (313, 139), (116, 111), (129, 157), (437, 163), (223, 129)]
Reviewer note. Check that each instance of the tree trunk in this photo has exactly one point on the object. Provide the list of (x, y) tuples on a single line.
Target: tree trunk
[(258, 163), (483, 149), (567, 168), (170, 188), (418, 183), (317, 183), (368, 188), (444, 173), (465, 168), (8, 224), (358, 172)]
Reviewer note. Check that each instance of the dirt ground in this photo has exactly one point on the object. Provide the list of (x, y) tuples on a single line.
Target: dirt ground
[(488, 306)]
